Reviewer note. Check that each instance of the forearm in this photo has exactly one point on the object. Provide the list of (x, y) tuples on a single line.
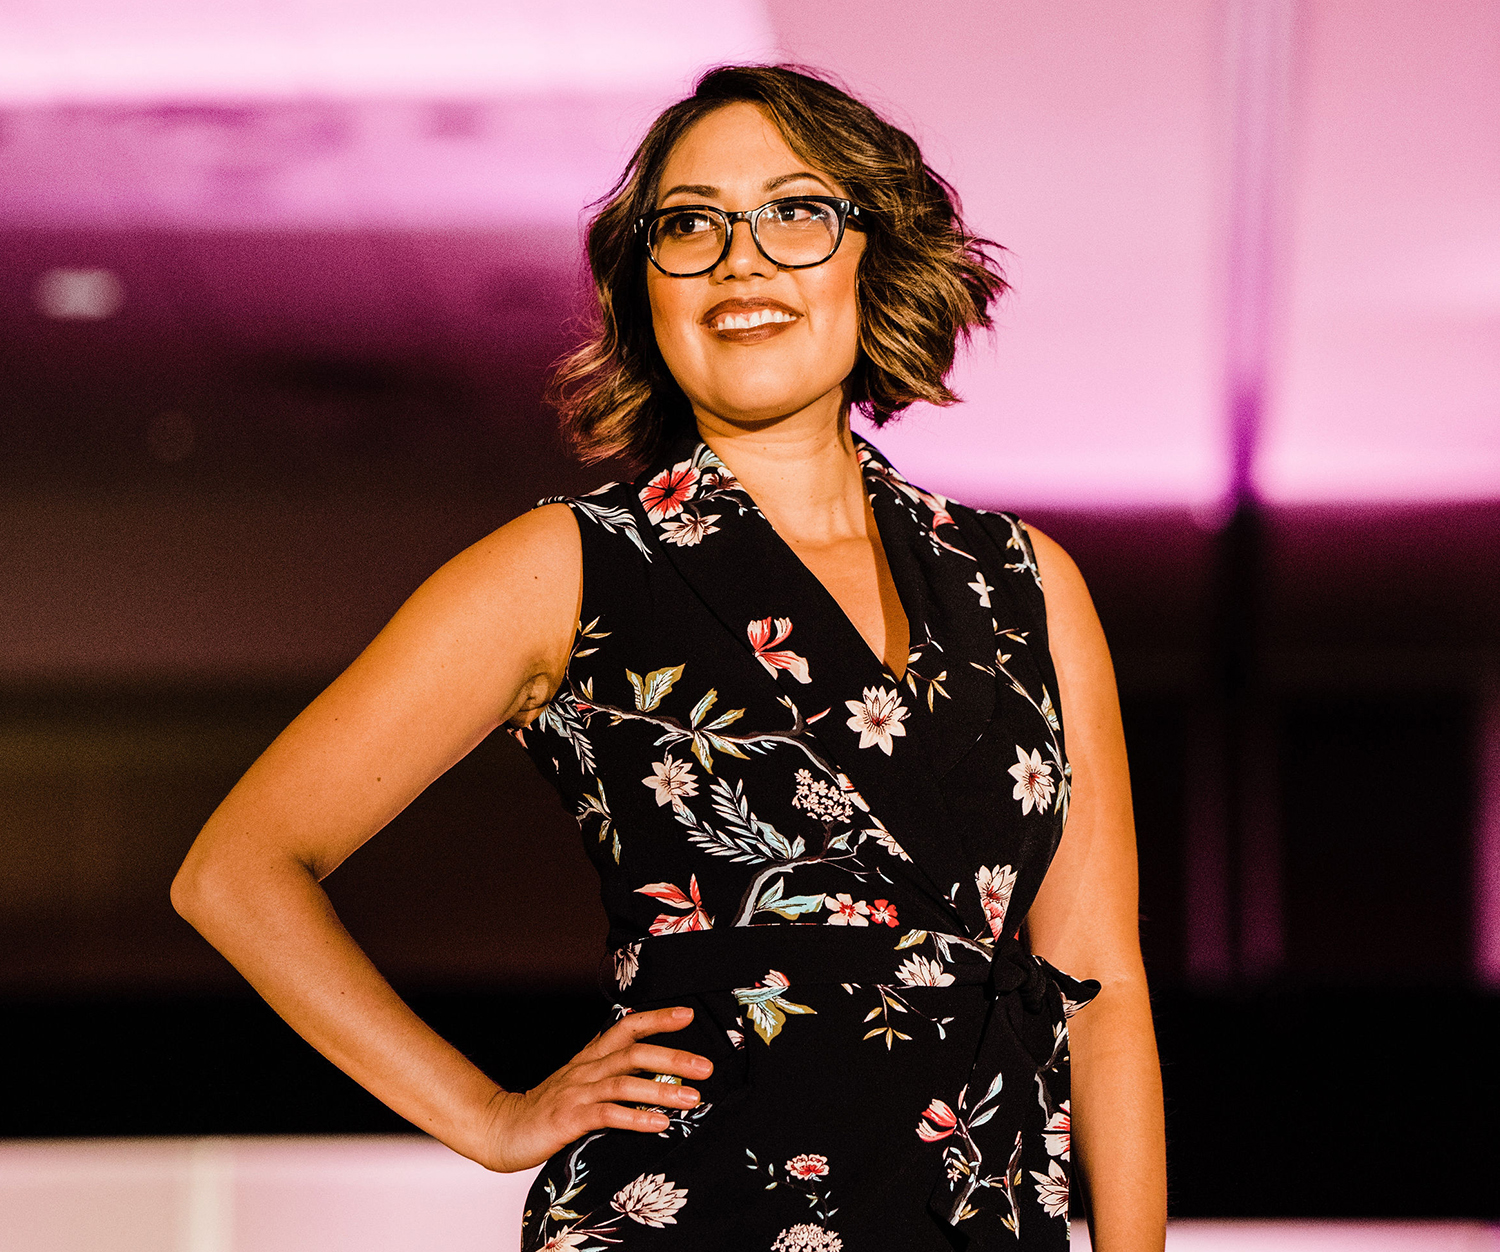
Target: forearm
[(1118, 1129), (275, 924)]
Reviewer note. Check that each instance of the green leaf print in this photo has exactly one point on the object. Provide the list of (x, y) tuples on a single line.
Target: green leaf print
[(652, 690), (765, 1006)]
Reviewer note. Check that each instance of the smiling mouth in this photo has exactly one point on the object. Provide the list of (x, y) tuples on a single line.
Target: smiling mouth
[(749, 321)]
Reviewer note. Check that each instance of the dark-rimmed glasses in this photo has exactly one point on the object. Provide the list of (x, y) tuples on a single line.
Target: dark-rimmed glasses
[(793, 233)]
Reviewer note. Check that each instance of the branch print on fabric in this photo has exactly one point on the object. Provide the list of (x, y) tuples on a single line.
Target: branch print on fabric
[(964, 1159)]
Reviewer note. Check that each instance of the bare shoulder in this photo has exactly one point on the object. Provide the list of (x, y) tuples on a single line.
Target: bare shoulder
[(1072, 622), (498, 617)]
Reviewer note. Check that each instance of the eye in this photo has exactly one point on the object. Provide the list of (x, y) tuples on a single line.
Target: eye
[(686, 224), (800, 213)]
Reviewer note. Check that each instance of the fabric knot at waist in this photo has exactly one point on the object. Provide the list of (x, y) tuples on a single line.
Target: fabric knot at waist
[(661, 967)]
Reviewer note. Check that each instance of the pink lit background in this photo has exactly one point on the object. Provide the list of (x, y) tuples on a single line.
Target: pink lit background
[(1255, 247)]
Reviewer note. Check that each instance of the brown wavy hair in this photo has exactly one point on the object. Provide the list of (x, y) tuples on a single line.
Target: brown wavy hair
[(925, 281)]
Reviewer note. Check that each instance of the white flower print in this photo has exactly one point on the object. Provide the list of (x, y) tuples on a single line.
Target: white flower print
[(982, 589), (847, 912), (923, 971), (1034, 785), (736, 1037), (877, 717), (820, 799), (1052, 1190), (627, 962), (1058, 1134), (808, 1165), (650, 1200), (805, 1237), (995, 888), (764, 636), (688, 530), (566, 1241), (672, 779)]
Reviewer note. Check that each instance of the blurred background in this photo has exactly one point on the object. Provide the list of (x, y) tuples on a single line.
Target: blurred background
[(280, 281)]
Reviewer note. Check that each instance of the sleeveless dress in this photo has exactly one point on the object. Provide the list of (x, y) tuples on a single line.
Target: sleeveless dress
[(829, 865)]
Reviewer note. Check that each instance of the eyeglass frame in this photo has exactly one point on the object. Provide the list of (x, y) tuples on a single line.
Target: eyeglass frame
[(847, 212)]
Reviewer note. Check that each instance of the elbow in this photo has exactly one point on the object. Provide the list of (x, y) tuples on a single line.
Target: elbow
[(187, 891)]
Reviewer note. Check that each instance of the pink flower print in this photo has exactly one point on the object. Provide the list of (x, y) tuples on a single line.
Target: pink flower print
[(847, 912), (665, 494), (877, 717), (695, 918), (672, 779), (1034, 785), (1058, 1133), (937, 1122), (1052, 1190), (883, 913), (808, 1165), (995, 888), (650, 1200), (764, 642)]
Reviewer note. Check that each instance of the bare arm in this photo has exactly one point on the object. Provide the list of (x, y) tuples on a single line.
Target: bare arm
[(1085, 921), (484, 641)]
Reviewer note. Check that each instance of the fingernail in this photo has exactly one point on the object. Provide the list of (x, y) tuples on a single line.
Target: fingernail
[(688, 1096), (703, 1066), (660, 1120), (682, 1014)]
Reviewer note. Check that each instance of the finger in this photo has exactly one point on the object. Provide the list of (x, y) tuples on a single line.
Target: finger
[(636, 1025), (618, 1117), (627, 1087), (653, 1059)]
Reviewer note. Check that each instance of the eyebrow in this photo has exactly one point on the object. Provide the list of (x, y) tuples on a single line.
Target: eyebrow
[(771, 184)]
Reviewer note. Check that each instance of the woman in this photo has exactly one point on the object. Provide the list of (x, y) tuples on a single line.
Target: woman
[(811, 719)]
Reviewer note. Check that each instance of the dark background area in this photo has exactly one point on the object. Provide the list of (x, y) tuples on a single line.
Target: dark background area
[(203, 522)]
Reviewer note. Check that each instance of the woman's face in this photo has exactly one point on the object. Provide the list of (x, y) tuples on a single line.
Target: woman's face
[(736, 159)]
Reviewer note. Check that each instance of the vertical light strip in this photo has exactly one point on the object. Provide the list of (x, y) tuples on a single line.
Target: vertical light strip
[(1233, 871), (208, 1206), (1259, 66)]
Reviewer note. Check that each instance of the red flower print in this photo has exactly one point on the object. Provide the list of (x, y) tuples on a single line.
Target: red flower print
[(763, 641), (696, 918), (883, 911), (937, 1122), (665, 494), (808, 1165)]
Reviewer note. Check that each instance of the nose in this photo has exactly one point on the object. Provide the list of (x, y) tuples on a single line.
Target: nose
[(744, 259)]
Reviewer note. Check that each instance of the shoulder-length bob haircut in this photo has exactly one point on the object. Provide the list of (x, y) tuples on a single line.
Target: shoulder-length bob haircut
[(925, 281)]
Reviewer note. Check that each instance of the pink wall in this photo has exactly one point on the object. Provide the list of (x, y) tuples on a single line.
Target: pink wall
[(1095, 140)]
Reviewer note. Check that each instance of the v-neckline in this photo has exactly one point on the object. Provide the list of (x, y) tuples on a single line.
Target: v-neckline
[(884, 556)]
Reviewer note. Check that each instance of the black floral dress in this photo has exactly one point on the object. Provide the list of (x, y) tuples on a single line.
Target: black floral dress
[(830, 865)]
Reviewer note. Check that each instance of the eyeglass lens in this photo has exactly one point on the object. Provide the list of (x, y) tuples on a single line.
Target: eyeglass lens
[(790, 232)]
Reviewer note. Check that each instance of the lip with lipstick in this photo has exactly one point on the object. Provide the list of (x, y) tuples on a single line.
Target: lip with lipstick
[(749, 321)]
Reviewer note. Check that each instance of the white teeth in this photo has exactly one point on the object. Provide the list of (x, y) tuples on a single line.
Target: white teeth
[(749, 321)]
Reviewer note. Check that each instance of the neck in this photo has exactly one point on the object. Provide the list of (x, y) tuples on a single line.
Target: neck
[(801, 470)]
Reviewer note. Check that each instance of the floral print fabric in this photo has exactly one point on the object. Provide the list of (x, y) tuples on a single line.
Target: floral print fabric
[(831, 864)]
